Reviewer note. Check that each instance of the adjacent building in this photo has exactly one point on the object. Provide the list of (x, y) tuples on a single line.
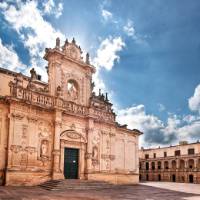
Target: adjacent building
[(179, 163), (61, 129)]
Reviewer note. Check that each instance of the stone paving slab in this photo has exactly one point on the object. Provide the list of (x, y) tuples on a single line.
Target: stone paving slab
[(180, 187), (131, 192)]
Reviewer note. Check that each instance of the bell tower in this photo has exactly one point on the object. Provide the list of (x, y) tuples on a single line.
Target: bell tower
[(69, 76)]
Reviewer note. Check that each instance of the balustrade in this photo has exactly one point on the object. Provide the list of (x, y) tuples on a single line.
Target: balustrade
[(47, 101)]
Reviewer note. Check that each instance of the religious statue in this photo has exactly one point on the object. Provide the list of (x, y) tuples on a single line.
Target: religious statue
[(95, 153), (87, 58), (58, 43), (72, 91), (44, 148)]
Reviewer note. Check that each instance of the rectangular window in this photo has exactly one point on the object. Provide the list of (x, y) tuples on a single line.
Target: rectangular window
[(190, 151), (177, 153), (146, 156), (154, 155), (165, 154)]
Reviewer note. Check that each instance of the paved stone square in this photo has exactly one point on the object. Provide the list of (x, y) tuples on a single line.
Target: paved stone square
[(135, 192)]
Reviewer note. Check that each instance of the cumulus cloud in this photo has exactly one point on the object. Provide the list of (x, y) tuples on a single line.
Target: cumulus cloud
[(106, 14), (107, 52), (107, 55), (49, 7), (156, 132), (153, 128), (9, 58), (194, 101), (34, 31)]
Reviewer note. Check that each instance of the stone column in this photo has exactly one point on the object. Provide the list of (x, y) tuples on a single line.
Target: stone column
[(89, 145), (156, 165), (112, 151), (56, 149), (11, 128), (195, 163), (186, 164)]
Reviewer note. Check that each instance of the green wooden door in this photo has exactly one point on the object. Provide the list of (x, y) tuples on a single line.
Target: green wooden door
[(71, 163)]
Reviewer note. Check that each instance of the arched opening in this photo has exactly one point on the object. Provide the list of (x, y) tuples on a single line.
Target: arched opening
[(72, 89), (198, 164), (174, 178), (173, 164), (191, 178), (182, 164), (147, 166), (153, 165), (159, 165), (191, 163), (159, 177), (166, 165), (147, 177)]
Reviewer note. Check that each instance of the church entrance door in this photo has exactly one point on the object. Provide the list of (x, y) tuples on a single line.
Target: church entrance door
[(71, 158)]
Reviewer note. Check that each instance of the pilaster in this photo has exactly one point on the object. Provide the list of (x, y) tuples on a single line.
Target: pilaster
[(56, 149)]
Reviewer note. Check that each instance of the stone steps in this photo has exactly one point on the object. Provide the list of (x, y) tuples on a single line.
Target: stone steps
[(75, 185)]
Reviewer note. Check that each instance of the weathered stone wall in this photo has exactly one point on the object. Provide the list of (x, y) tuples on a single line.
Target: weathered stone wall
[(3, 140), (31, 133)]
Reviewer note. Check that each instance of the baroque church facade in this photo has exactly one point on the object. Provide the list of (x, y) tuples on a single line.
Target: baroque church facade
[(61, 129)]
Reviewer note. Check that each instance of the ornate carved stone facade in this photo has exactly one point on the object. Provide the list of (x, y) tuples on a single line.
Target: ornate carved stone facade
[(40, 122), (180, 163)]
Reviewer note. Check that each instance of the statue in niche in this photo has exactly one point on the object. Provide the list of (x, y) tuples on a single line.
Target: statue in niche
[(95, 153), (72, 90), (44, 148)]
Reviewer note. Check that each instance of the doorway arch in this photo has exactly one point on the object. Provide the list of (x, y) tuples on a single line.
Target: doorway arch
[(173, 178), (191, 178), (159, 177)]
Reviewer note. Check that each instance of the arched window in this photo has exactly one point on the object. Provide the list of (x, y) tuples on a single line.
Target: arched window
[(182, 164), (147, 166), (72, 89), (198, 164), (153, 165), (159, 165), (173, 164), (191, 163), (166, 165)]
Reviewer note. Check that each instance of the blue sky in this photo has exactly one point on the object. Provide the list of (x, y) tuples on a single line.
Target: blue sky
[(147, 55)]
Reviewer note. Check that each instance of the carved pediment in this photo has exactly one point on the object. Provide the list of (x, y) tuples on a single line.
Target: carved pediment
[(72, 50), (73, 135)]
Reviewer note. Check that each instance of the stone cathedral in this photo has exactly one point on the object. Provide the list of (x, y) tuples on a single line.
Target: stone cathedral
[(62, 129)]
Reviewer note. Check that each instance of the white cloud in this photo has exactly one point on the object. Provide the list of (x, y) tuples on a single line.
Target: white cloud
[(35, 32), (106, 14), (156, 132), (129, 28), (136, 118), (107, 52), (130, 31), (51, 8), (9, 58), (194, 101), (106, 58)]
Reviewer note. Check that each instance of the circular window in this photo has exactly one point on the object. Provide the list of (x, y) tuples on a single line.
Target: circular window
[(72, 89)]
